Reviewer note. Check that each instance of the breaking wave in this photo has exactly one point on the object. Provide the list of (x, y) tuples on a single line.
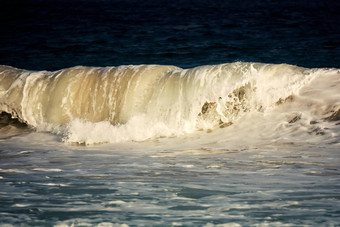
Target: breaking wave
[(89, 105)]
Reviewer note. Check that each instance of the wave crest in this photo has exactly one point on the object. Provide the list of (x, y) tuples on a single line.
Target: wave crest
[(114, 104)]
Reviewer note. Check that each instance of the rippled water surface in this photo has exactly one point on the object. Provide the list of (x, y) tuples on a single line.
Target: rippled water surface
[(148, 184)]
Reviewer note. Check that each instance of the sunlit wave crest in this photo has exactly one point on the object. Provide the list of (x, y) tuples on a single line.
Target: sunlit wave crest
[(139, 102)]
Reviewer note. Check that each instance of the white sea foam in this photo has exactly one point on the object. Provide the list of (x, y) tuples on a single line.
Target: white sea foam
[(21, 205), (48, 169), (53, 184), (116, 202), (14, 170), (85, 222)]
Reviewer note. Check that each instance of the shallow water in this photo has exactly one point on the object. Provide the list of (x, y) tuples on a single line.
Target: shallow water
[(47, 183)]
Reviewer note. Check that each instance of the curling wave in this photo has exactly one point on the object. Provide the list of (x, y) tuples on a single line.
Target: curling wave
[(113, 104)]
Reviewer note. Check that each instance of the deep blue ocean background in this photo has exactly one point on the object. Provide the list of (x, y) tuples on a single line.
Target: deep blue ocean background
[(54, 34)]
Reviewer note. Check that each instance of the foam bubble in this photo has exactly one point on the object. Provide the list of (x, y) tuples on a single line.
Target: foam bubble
[(138, 128)]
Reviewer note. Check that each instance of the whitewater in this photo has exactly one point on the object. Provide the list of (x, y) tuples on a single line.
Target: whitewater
[(135, 103), (231, 144)]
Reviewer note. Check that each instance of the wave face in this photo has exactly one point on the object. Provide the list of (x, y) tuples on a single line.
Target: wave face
[(115, 104)]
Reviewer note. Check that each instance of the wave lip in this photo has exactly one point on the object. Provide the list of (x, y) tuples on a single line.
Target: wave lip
[(139, 102)]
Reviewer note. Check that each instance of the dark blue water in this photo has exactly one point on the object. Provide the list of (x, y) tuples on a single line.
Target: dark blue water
[(54, 34)]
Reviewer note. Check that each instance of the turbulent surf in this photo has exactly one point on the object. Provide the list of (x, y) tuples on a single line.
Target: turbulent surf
[(138, 102)]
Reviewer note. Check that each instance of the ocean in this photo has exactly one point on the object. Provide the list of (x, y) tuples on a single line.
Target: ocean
[(169, 113)]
